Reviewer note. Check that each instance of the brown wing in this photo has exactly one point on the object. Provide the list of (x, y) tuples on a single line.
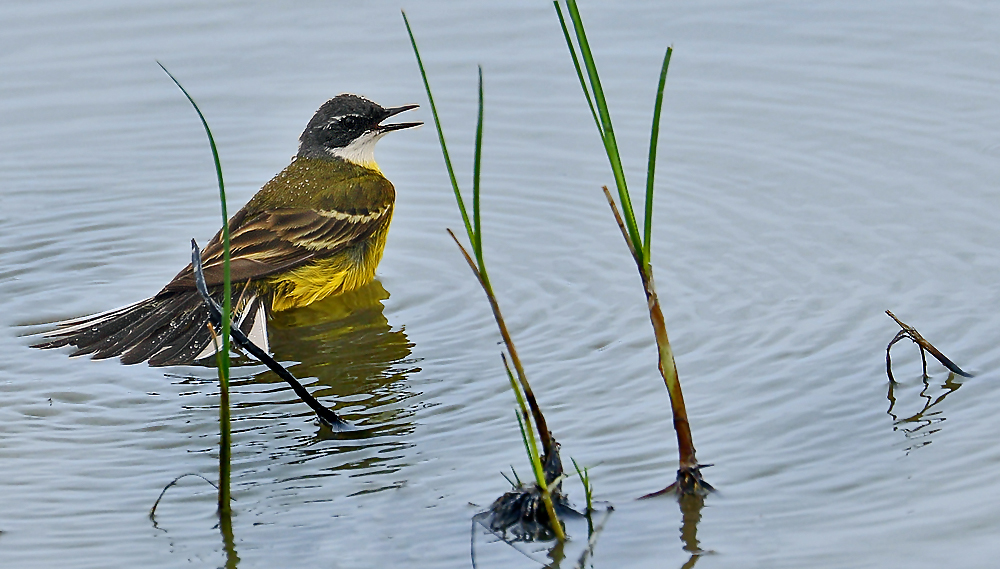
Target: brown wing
[(275, 241)]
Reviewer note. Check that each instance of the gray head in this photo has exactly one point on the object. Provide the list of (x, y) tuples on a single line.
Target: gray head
[(347, 127)]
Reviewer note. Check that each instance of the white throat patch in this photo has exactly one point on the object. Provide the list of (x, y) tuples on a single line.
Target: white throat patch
[(360, 151)]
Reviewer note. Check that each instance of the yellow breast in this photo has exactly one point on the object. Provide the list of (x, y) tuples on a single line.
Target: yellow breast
[(339, 273)]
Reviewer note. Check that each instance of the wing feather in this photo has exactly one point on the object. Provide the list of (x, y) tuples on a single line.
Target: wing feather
[(279, 240)]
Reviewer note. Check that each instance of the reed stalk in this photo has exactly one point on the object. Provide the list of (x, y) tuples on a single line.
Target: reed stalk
[(222, 353), (522, 389), (688, 475)]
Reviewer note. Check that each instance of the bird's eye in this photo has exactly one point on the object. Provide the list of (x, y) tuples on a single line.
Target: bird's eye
[(350, 122)]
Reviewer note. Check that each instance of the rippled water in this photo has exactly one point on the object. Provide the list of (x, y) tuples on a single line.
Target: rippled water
[(819, 164)]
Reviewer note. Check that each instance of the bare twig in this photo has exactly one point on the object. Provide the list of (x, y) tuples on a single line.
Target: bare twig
[(152, 511), (621, 225), (911, 333)]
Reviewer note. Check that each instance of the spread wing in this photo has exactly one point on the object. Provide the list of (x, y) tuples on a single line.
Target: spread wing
[(278, 240)]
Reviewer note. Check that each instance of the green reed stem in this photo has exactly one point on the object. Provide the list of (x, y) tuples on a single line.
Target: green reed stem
[(222, 355), (604, 127), (529, 437), (532, 448), (588, 489), (229, 540), (478, 265), (440, 131), (638, 245), (477, 163), (654, 136), (579, 72)]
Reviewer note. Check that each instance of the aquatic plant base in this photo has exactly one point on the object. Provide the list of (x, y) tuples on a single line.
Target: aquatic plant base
[(689, 483), (583, 532), (521, 515)]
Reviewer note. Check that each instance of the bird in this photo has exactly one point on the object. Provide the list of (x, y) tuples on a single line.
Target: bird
[(318, 228)]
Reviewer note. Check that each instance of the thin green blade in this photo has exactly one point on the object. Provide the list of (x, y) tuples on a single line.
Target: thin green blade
[(654, 136)]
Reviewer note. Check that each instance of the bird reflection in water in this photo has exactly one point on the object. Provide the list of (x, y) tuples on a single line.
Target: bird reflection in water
[(919, 426), (355, 363)]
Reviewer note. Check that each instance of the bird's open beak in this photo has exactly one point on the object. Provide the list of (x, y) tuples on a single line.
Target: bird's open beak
[(401, 125)]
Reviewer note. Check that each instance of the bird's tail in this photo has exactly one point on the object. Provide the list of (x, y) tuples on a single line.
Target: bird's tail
[(171, 328)]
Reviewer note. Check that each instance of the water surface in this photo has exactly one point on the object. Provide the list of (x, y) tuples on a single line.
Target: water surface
[(819, 164)]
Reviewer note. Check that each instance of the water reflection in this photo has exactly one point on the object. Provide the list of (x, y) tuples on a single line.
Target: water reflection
[(576, 552), (354, 362), (691, 506), (919, 427), (228, 540), (347, 344), (359, 363)]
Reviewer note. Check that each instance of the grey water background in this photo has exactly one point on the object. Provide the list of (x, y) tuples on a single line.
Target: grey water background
[(819, 163)]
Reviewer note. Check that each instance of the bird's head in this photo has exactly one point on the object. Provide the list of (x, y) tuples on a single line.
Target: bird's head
[(347, 127)]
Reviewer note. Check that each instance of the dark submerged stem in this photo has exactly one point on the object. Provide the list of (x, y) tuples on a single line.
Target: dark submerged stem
[(325, 415)]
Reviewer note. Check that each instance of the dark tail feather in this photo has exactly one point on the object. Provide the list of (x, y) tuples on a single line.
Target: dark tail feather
[(89, 332), (140, 334), (168, 329)]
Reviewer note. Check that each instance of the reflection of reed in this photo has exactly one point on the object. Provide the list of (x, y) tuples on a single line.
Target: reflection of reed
[(691, 505), (228, 540), (919, 425)]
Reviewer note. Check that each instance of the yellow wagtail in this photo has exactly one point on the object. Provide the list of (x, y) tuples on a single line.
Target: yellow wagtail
[(316, 229)]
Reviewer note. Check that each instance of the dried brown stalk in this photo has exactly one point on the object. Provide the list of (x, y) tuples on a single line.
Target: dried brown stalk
[(689, 480), (548, 442), (550, 448)]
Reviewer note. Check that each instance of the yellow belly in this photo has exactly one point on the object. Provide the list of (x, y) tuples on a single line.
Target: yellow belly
[(337, 274)]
